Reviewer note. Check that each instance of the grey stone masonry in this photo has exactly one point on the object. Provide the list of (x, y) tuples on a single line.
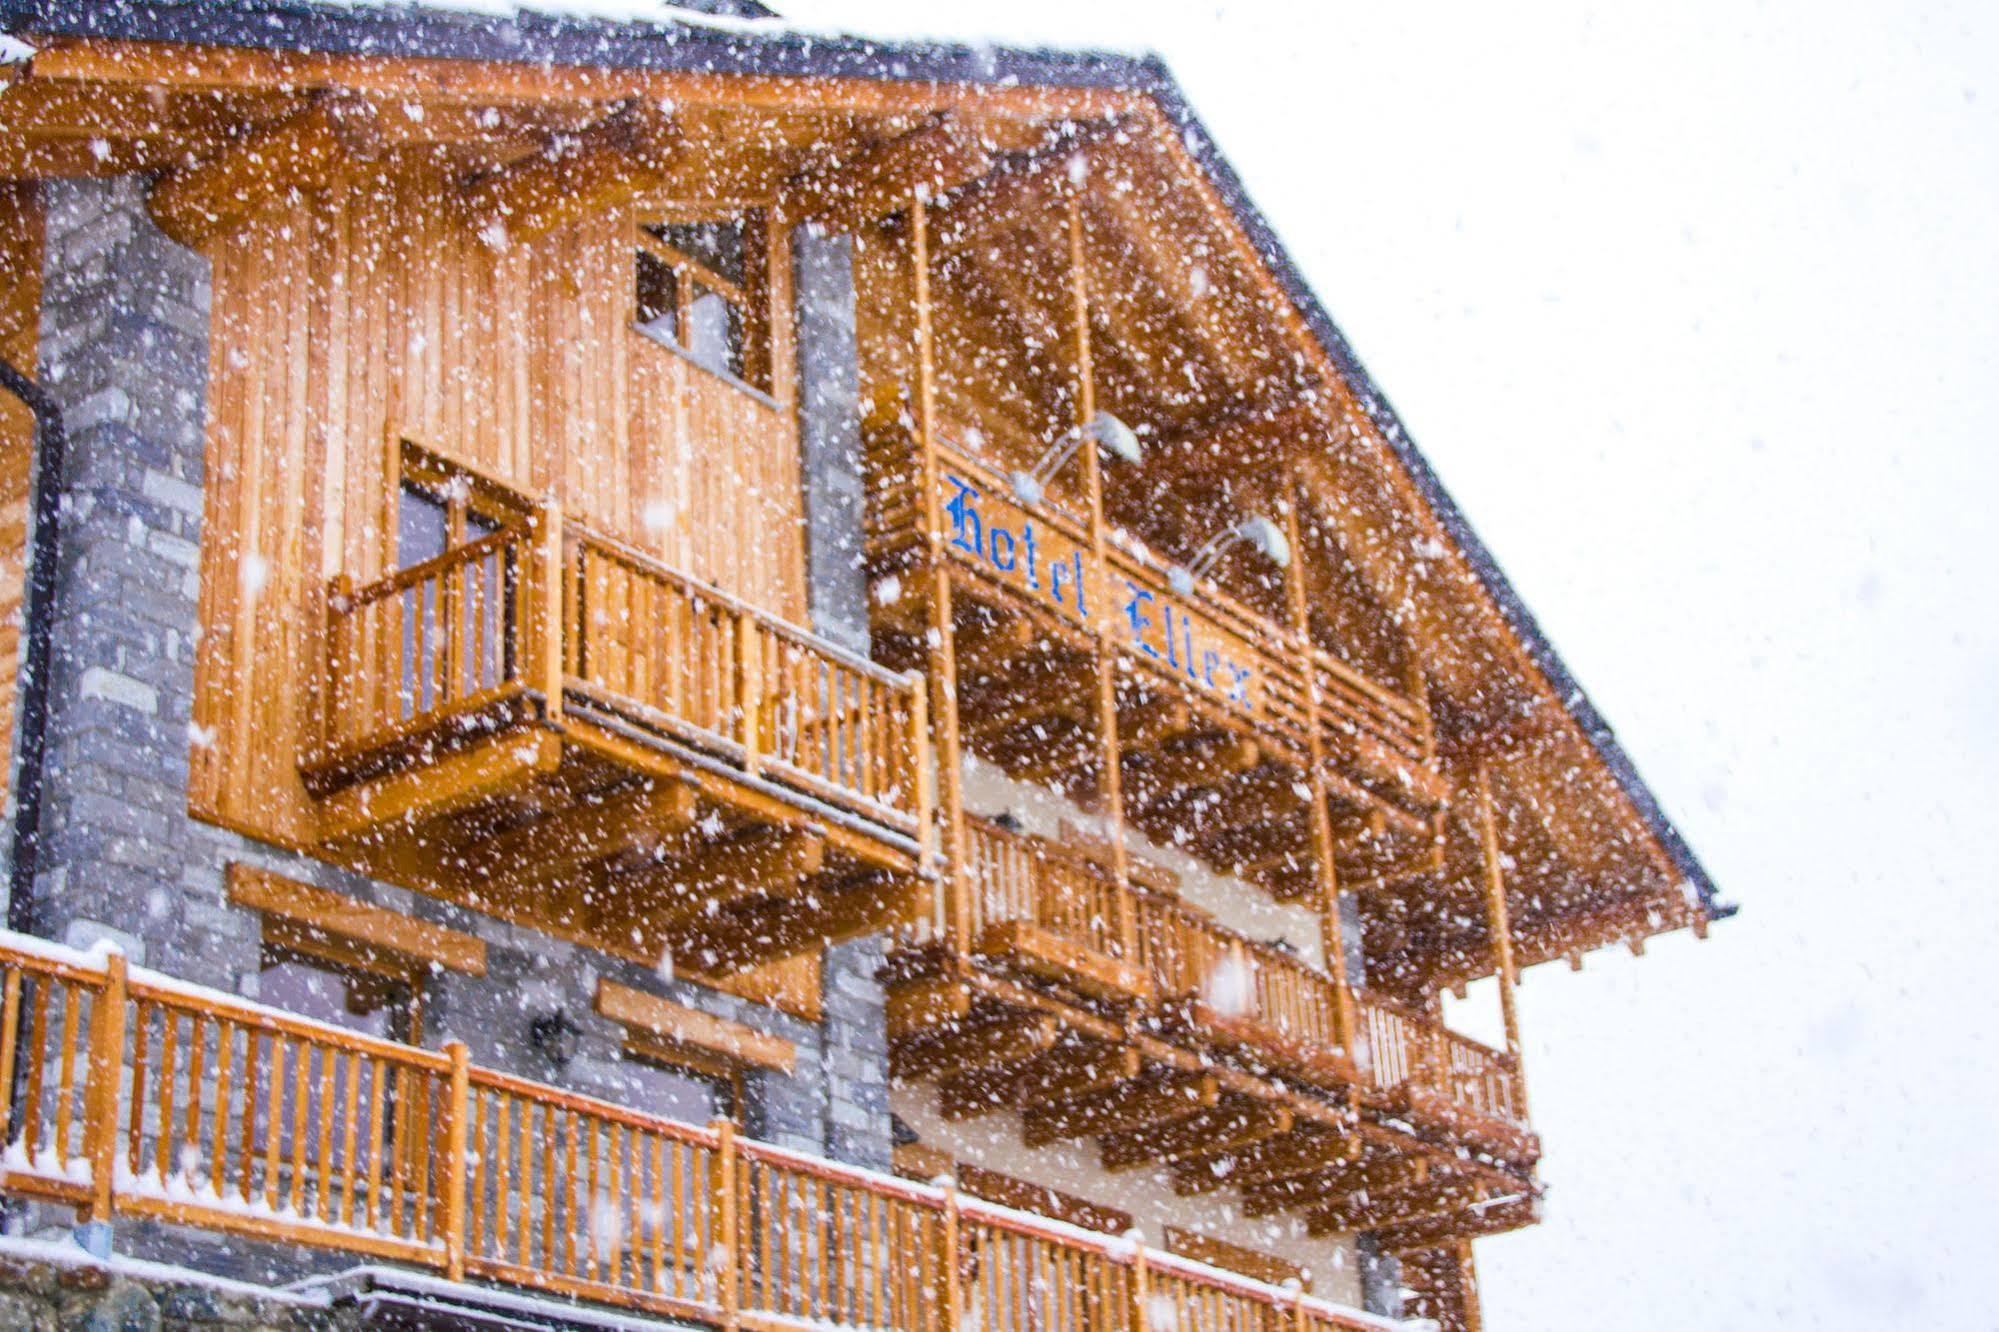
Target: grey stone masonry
[(125, 346), (856, 1027)]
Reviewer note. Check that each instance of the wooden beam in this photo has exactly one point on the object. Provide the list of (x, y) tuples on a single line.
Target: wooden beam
[(944, 155), (1277, 1158), (920, 1006), (1007, 1038), (653, 814), (1198, 763), (432, 790), (1132, 1105), (1062, 1074), (1252, 1263), (1493, 1216), (1316, 1187), (676, 1025), (1224, 1128), (1501, 928), (372, 927), (307, 151), (738, 940), (624, 154)]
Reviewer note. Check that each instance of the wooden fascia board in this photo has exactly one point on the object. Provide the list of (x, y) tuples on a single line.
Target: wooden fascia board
[(194, 66), (372, 927), (664, 1022)]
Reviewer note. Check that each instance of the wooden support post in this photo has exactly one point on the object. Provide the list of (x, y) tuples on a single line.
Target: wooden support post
[(727, 1257), (922, 797), (949, 1265), (1093, 481), (1501, 926), (456, 1160), (545, 639), (1467, 1274), (1141, 1283), (1332, 931), (749, 689), (107, 1062), (943, 648)]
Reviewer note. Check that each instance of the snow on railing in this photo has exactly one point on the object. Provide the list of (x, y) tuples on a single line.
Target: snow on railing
[(145, 1096)]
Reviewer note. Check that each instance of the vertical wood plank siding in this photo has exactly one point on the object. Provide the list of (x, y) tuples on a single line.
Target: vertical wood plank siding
[(347, 321)]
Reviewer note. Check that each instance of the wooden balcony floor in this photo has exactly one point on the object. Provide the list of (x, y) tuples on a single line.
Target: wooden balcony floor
[(1222, 1101), (593, 831)]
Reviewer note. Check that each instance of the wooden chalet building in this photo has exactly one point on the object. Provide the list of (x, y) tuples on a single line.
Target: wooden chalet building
[(756, 677)]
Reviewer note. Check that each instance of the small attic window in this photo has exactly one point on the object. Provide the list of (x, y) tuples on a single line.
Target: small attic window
[(695, 288)]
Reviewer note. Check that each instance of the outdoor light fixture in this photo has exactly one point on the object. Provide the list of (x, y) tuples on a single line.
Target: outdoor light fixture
[(1255, 531), (553, 1036), (1118, 440)]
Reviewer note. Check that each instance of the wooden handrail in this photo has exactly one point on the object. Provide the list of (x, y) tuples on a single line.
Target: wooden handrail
[(528, 1184), (411, 574)]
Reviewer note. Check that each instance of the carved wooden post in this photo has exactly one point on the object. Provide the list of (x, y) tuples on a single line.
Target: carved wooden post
[(728, 1258), (107, 1060), (456, 1160)]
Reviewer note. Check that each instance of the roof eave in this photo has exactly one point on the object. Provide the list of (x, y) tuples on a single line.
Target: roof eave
[(528, 37)]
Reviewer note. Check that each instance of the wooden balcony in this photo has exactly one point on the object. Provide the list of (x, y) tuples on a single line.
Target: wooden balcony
[(1218, 710), (1226, 1058), (145, 1097), (551, 725)]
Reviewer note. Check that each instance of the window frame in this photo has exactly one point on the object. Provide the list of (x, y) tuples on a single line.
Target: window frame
[(748, 298), (724, 1074)]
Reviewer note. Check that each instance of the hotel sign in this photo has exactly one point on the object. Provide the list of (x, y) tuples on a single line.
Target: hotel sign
[(1051, 567)]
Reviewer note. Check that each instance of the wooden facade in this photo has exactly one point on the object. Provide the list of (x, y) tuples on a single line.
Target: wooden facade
[(597, 708)]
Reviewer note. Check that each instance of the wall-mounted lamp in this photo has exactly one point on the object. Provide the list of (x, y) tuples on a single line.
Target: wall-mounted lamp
[(1257, 532), (553, 1036), (1118, 441)]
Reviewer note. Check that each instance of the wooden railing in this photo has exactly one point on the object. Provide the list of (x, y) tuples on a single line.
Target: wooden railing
[(142, 1096), (716, 672), (426, 644), (1402, 1048), (1189, 955), (1210, 636), (551, 610), (1015, 877)]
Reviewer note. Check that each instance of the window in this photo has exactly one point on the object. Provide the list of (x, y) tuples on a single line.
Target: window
[(441, 506), (676, 1087), (372, 1003), (696, 286)]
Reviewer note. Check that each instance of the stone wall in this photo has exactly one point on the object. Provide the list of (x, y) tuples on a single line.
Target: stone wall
[(45, 1296), (125, 353)]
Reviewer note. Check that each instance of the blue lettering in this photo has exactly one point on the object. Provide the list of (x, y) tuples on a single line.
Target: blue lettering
[(1055, 572), (964, 517), (1033, 569), (1209, 660), (1172, 640), (1081, 609), (1003, 565), (1140, 621)]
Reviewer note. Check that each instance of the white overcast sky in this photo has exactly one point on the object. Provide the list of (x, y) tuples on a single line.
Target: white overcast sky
[(1695, 307)]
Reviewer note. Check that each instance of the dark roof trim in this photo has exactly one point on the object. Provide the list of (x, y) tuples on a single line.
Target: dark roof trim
[(421, 32)]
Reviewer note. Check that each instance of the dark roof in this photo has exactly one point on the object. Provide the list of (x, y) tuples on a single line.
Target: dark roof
[(420, 31)]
